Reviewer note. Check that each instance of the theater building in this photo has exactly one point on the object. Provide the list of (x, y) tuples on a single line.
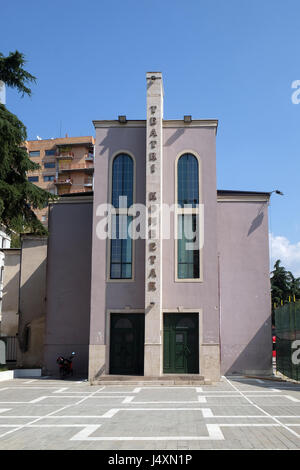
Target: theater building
[(161, 304)]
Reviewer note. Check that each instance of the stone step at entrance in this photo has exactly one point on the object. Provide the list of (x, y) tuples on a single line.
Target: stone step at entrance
[(165, 380)]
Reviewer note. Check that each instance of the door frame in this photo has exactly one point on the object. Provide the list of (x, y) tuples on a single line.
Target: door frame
[(107, 331), (177, 310)]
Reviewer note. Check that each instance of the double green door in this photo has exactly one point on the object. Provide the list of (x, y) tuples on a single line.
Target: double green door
[(181, 343), (127, 344)]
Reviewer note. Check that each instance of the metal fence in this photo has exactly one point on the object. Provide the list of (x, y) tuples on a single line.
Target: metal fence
[(287, 324), (10, 348)]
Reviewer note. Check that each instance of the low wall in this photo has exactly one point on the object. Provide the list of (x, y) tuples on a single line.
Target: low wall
[(19, 373)]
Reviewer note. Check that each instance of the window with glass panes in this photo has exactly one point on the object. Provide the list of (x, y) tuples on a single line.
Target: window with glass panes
[(120, 248), (188, 253), (188, 181), (121, 242), (122, 180)]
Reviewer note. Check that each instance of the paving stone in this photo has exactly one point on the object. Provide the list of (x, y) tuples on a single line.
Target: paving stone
[(50, 414)]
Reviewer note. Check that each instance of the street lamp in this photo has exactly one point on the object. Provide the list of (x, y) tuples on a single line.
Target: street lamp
[(277, 192)]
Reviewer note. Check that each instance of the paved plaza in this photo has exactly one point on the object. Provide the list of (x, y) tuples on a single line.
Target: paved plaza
[(236, 413)]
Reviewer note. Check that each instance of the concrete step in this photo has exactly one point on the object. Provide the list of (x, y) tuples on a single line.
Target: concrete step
[(165, 380)]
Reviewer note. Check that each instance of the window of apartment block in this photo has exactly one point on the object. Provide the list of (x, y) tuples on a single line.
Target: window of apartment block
[(188, 244), (121, 198), (34, 153), (50, 153), (33, 179), (48, 178), (49, 165)]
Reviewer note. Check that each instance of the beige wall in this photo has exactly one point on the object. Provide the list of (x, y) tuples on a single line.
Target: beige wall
[(10, 300), (32, 306)]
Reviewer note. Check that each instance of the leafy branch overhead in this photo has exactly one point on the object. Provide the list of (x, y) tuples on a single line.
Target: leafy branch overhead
[(18, 196), (13, 74)]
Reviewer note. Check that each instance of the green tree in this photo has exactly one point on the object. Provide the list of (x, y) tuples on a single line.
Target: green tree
[(284, 286), (279, 283), (13, 74), (294, 285), (18, 196)]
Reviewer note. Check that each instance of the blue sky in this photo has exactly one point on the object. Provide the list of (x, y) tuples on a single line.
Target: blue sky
[(233, 60)]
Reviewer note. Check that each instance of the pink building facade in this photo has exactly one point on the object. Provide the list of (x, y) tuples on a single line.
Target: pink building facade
[(164, 303)]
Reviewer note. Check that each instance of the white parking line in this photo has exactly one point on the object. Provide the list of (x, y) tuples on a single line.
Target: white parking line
[(47, 415), (263, 411), (207, 413), (214, 434), (202, 399), (60, 390), (291, 398), (110, 413), (127, 399), (230, 392)]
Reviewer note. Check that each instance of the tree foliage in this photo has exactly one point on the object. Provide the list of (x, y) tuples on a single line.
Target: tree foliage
[(18, 196), (284, 285), (13, 74)]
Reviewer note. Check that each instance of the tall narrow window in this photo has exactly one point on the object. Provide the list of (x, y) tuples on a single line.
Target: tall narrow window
[(122, 180), (122, 199), (188, 181), (188, 244)]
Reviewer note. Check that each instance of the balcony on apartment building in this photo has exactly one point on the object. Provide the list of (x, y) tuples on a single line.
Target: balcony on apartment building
[(63, 182), (64, 153), (89, 157), (87, 166), (88, 182)]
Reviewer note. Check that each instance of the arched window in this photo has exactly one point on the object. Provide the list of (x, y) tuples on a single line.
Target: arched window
[(121, 199), (122, 180), (188, 197), (188, 180)]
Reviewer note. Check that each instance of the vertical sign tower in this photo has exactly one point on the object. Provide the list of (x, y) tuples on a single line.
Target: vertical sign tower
[(153, 265)]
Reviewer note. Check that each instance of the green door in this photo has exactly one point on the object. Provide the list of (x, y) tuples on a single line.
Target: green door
[(127, 344), (181, 343)]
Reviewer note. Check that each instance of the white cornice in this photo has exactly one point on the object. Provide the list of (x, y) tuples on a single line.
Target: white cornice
[(99, 124), (243, 198), (169, 123), (194, 123)]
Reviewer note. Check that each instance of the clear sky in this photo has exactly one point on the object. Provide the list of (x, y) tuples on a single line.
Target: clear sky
[(233, 60)]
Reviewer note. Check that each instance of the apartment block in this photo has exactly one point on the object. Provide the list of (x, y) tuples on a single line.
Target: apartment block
[(66, 166)]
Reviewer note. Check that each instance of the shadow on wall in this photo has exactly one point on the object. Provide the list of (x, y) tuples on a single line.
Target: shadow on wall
[(178, 133), (253, 358), (257, 221), (124, 141), (32, 317), (12, 288)]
